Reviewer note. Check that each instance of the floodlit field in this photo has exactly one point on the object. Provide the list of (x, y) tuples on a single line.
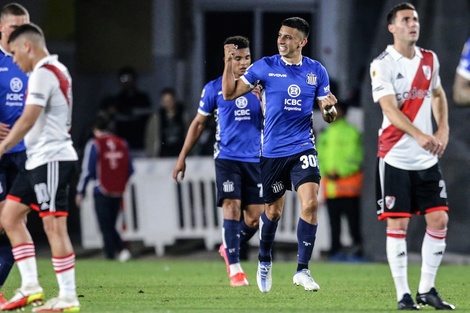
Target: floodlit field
[(203, 286)]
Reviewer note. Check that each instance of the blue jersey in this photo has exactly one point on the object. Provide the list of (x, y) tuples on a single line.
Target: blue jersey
[(239, 122), (464, 65), (290, 93), (13, 84)]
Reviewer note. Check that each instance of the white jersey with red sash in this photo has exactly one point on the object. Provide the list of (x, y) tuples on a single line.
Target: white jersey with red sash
[(50, 86), (113, 164), (412, 82)]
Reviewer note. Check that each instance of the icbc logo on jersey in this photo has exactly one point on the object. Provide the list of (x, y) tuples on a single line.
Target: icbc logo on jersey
[(293, 91), (241, 103), (15, 85)]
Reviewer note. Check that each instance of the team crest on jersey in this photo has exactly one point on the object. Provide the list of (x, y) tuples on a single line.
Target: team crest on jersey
[(389, 202), (241, 102), (427, 71), (311, 79)]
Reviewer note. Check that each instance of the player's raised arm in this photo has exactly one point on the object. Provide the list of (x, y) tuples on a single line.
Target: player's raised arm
[(231, 87)]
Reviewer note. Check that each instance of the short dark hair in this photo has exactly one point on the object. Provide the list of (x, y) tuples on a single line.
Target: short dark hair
[(13, 9), (297, 23), (240, 41), (26, 29), (101, 123), (127, 70), (168, 90), (399, 7)]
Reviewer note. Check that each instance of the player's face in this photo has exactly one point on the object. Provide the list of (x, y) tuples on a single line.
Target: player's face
[(8, 23), (405, 27), (19, 49), (290, 42), (241, 61)]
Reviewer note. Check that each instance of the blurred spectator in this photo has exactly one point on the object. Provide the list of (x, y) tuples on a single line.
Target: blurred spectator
[(106, 161), (166, 128), (461, 88), (128, 110), (340, 153)]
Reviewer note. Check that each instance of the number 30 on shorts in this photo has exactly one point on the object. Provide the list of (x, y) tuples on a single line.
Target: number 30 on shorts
[(308, 161)]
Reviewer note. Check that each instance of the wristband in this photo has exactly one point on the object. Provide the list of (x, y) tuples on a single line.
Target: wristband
[(329, 111)]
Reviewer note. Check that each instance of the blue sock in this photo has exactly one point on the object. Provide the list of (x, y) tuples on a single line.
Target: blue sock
[(246, 233), (306, 240), (267, 231), (231, 233), (6, 262)]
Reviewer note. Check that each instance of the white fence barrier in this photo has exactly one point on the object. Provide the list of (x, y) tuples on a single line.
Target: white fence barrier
[(158, 211)]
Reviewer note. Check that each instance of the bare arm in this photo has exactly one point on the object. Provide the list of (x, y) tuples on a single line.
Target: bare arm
[(192, 136), (461, 90), (231, 88), (440, 112), (401, 121), (21, 127)]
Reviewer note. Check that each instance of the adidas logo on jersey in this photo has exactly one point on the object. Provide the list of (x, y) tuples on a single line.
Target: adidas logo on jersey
[(399, 76)]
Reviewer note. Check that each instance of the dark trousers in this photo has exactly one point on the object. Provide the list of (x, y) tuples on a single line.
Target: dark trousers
[(349, 207), (107, 210)]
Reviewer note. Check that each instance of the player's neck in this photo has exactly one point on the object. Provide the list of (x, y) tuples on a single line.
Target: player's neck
[(408, 50)]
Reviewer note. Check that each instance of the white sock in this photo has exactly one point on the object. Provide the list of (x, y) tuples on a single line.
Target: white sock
[(64, 268), (397, 257), (25, 257), (235, 269), (432, 251)]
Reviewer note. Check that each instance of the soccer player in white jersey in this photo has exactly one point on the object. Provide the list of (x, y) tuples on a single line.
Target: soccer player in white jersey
[(292, 83), (406, 84), (461, 88), (236, 157), (51, 161)]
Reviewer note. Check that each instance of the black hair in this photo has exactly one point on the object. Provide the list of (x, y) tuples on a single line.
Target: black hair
[(127, 70), (101, 123), (399, 7), (240, 41), (26, 29), (168, 90), (297, 23)]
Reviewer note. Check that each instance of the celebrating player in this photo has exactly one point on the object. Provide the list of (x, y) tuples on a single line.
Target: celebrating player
[(292, 83)]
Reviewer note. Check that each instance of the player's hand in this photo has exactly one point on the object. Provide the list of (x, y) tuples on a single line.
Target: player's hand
[(328, 102), (4, 130), (229, 52), (180, 167), (431, 144)]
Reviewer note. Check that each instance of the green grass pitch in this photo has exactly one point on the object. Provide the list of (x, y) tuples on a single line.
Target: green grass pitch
[(171, 286)]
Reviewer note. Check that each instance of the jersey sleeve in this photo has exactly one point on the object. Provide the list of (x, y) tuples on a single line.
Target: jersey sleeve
[(463, 69), (323, 83), (40, 84), (381, 79), (252, 76), (436, 79), (207, 104)]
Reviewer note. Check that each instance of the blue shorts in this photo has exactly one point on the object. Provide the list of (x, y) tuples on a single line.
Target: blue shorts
[(45, 188), (402, 193), (238, 180), (10, 165), (279, 174)]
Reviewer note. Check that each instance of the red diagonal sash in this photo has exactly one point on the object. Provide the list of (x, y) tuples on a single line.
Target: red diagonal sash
[(391, 135), (63, 81)]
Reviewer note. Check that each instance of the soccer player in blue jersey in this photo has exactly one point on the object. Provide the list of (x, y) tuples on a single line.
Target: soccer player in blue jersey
[(236, 154), (291, 83), (12, 89)]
